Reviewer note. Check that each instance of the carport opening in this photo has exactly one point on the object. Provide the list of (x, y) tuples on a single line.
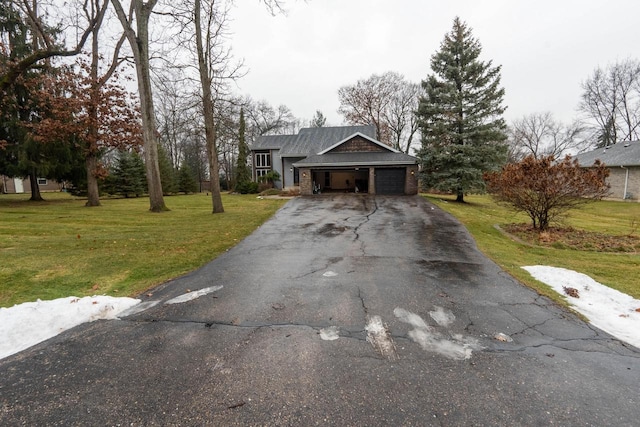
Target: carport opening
[(341, 180)]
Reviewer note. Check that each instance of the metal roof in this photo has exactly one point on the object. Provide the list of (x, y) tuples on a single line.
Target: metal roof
[(624, 153), (310, 140)]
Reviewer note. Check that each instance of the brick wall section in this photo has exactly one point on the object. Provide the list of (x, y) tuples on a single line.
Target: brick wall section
[(306, 182), (357, 144), (617, 179), (411, 180)]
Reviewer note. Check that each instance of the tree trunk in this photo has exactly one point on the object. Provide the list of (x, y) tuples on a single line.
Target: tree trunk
[(209, 122), (93, 195), (91, 156), (156, 199), (139, 41), (460, 196), (35, 189)]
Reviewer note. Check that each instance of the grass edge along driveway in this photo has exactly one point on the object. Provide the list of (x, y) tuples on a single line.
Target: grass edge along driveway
[(61, 248), (616, 270)]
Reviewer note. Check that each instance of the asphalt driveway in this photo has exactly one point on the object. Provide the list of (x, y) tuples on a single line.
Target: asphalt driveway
[(340, 310)]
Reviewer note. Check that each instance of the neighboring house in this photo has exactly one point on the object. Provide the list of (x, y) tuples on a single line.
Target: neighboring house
[(23, 185), (623, 161), (338, 159)]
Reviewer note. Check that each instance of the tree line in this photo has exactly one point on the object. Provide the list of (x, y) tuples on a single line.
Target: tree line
[(57, 115)]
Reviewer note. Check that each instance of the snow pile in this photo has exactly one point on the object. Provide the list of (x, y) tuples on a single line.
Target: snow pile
[(27, 324), (608, 309)]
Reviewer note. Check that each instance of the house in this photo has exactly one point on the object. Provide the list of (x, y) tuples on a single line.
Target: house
[(335, 159), (10, 185), (623, 161)]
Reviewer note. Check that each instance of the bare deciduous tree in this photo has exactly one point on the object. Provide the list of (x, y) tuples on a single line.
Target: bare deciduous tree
[(138, 16), (388, 102), (401, 114), (44, 42), (611, 99), (540, 135), (263, 119)]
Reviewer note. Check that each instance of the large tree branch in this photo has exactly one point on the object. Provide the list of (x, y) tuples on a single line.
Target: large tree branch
[(16, 69)]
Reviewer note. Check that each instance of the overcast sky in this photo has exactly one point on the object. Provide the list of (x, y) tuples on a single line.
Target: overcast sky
[(546, 48)]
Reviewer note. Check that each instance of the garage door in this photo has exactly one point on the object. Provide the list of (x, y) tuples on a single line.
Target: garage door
[(390, 181)]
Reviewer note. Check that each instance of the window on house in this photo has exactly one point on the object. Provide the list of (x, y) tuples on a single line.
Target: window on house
[(263, 164), (42, 181), (263, 160)]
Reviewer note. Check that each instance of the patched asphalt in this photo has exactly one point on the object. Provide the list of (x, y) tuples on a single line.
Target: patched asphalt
[(253, 353)]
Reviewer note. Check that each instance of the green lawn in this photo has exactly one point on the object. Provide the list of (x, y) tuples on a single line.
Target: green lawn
[(618, 271), (61, 248)]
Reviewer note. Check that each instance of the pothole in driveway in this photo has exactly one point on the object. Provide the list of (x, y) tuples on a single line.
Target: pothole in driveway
[(331, 229)]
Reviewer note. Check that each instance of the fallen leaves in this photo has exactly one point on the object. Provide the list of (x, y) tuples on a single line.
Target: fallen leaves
[(571, 238), (572, 292)]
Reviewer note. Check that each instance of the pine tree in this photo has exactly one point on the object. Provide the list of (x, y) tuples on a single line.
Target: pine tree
[(463, 131), (243, 174), (167, 172), (318, 120), (129, 176), (186, 180)]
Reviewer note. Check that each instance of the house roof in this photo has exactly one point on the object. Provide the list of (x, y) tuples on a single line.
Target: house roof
[(272, 142), (349, 159), (623, 153), (370, 139), (310, 140)]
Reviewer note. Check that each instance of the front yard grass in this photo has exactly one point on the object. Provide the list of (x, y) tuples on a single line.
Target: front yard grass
[(617, 269), (60, 248)]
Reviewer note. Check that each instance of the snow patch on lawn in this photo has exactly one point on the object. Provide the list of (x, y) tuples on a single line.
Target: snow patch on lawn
[(29, 323), (608, 309)]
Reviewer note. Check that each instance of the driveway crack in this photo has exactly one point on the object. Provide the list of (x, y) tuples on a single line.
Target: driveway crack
[(364, 305), (367, 218)]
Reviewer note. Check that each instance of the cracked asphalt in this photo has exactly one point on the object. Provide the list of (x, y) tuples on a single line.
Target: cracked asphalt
[(252, 352)]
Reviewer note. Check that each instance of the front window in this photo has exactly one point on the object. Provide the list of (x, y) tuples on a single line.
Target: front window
[(263, 164), (263, 160), (42, 181)]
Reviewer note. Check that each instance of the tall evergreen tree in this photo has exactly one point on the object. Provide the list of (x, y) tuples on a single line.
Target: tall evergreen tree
[(318, 120), (186, 180), (167, 172), (463, 131), (128, 176), (243, 174)]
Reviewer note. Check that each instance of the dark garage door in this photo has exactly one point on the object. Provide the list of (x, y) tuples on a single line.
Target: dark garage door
[(390, 181)]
